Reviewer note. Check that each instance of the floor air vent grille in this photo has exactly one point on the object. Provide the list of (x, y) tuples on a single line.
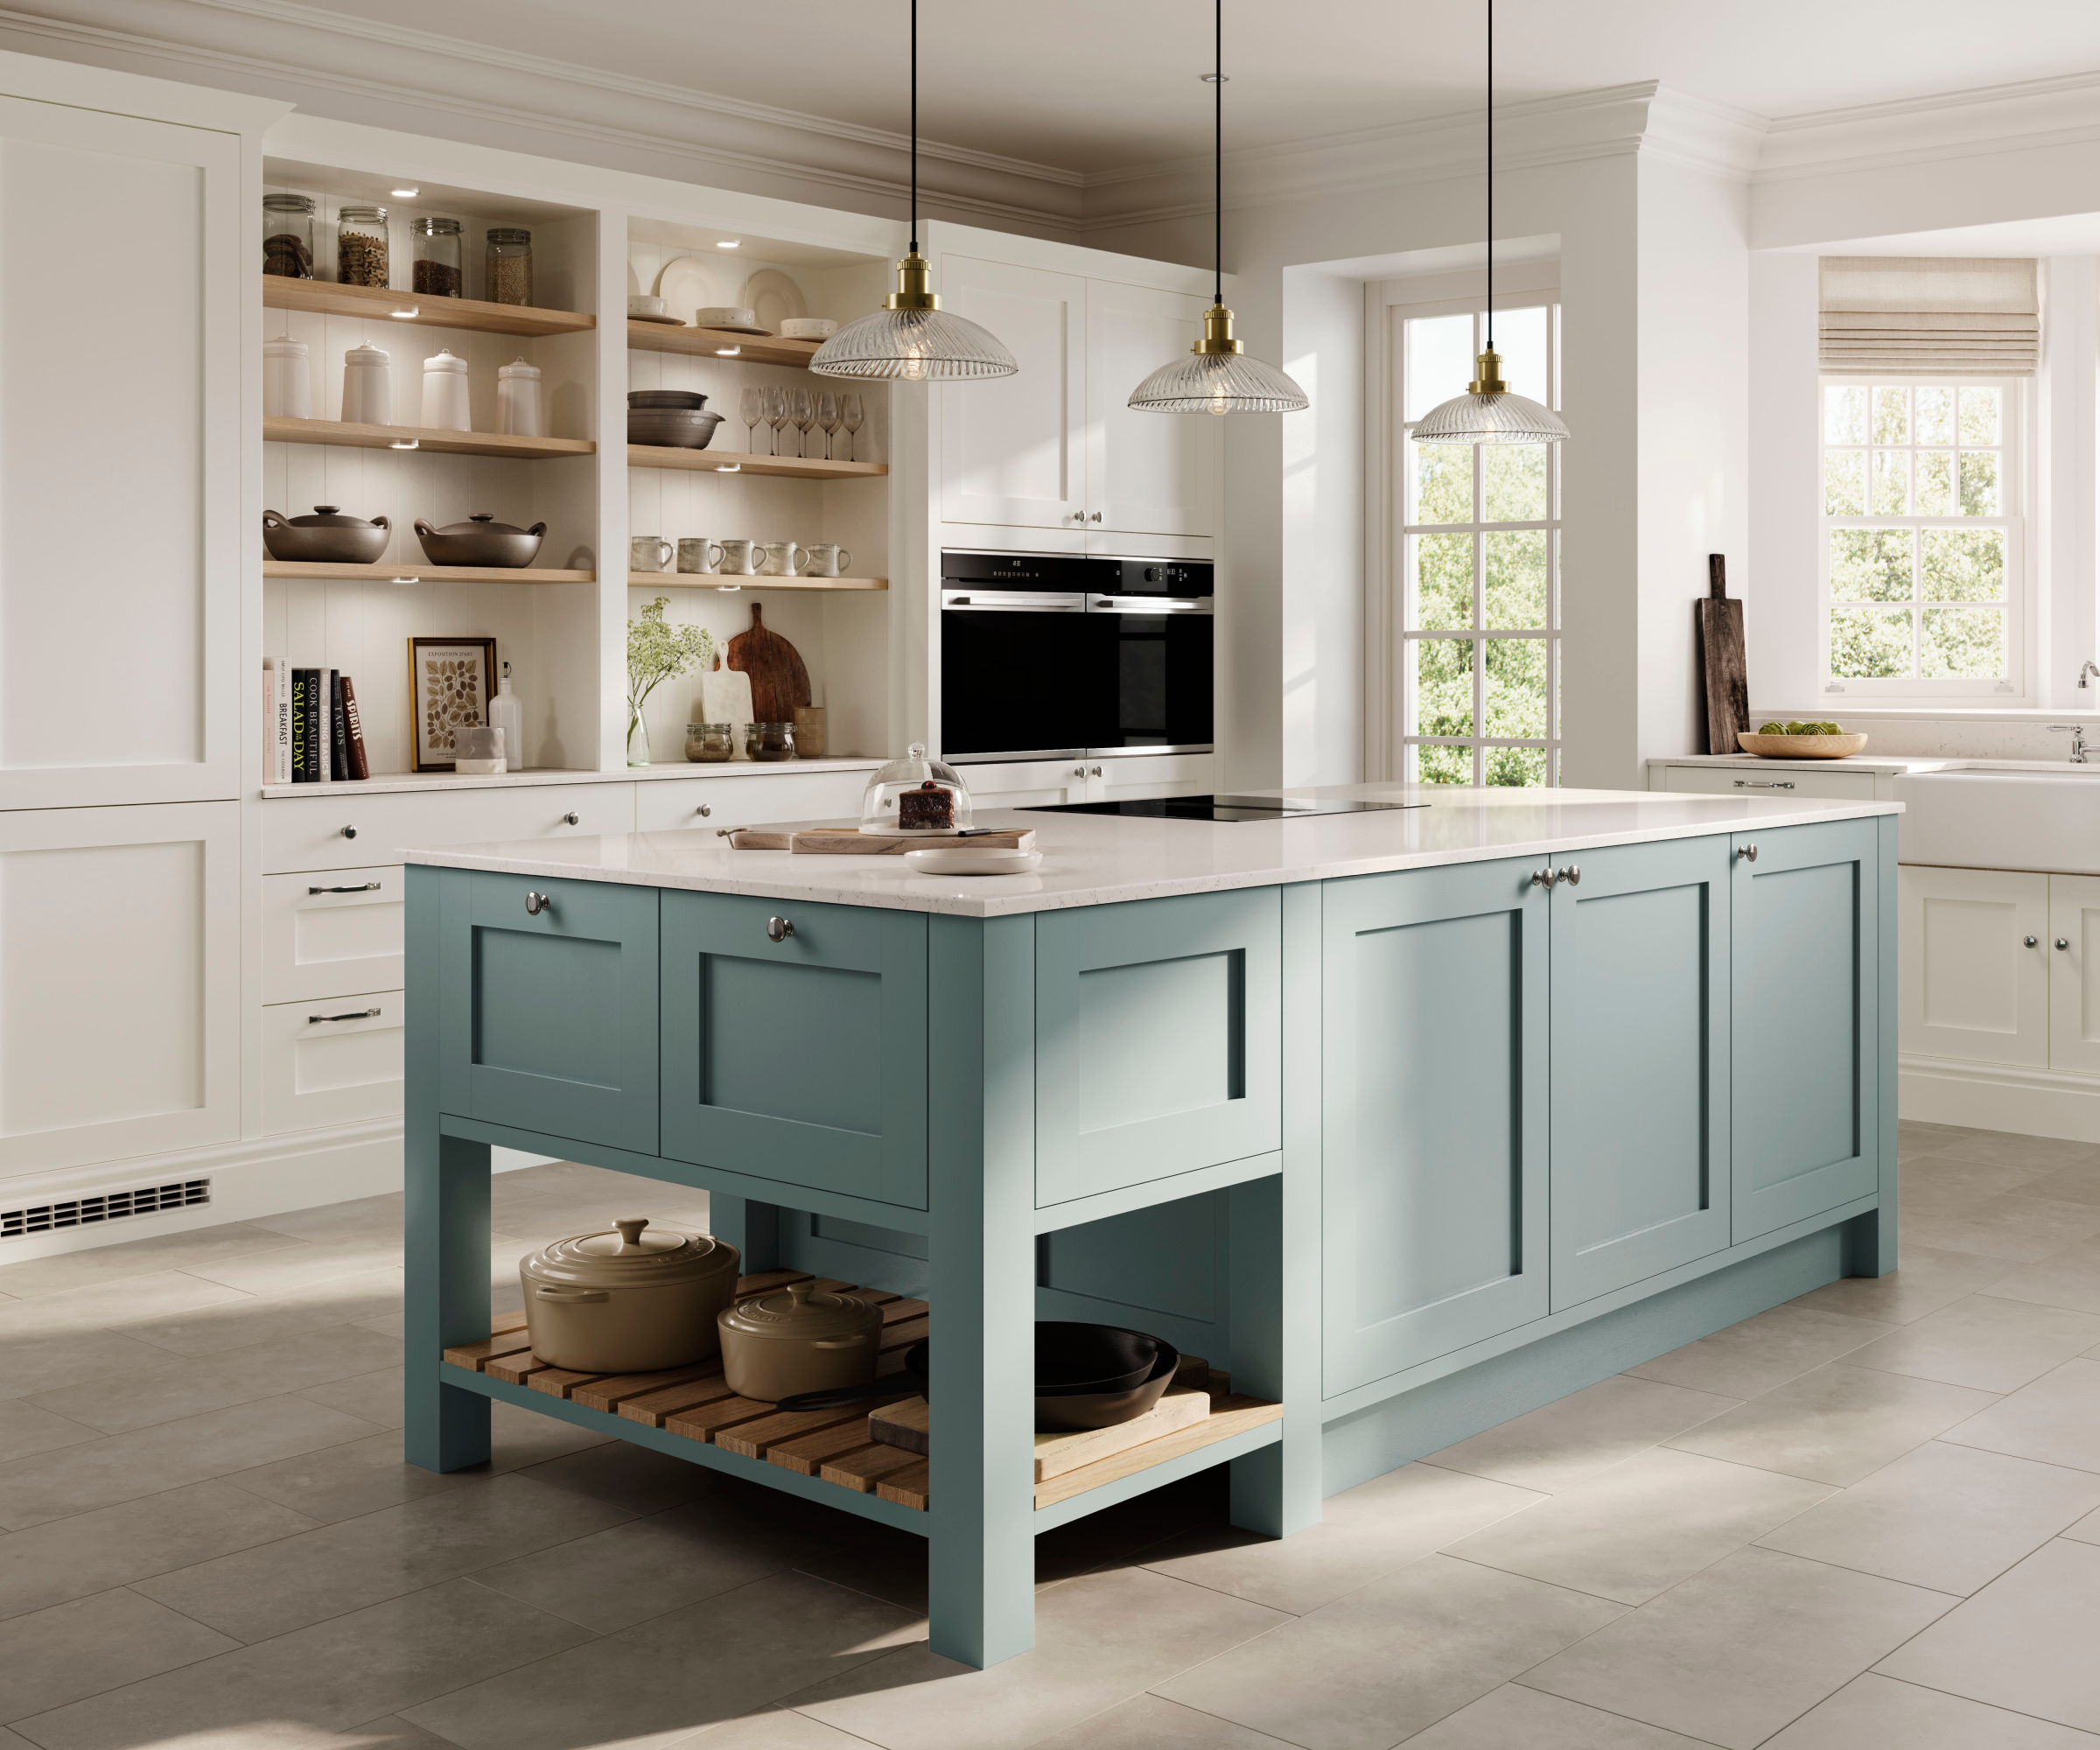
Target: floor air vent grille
[(104, 1206)]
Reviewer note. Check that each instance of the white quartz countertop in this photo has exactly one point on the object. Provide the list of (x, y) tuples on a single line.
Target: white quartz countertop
[(1101, 859), (419, 782), (1898, 764)]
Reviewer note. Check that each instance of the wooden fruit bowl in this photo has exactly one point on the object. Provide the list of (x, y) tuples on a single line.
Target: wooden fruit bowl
[(1801, 746)]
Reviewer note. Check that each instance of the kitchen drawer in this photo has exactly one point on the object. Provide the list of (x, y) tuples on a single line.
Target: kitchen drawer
[(1801, 780), (345, 827), (671, 804), (334, 1061), (332, 930), (1025, 783), (1119, 777)]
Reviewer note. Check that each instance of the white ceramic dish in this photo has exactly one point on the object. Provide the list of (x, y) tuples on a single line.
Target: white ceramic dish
[(808, 328), (973, 860), (686, 282), (774, 299), (642, 304), (661, 321), (731, 318)]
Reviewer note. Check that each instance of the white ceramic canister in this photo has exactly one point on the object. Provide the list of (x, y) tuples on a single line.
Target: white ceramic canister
[(367, 386), (518, 400), (444, 397), (287, 380)]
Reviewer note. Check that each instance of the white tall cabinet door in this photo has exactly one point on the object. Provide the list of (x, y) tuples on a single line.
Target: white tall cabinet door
[(120, 961), (1014, 450), (2074, 972), (120, 364), (1973, 964), (1147, 473)]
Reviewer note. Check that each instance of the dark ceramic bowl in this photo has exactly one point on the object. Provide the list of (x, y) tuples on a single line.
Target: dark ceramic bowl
[(691, 399), (674, 428)]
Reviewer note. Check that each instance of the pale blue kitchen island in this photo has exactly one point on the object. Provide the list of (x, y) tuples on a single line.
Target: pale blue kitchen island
[(1411, 1121)]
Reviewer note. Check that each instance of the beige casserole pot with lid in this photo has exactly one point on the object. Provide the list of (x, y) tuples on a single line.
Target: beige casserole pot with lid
[(627, 1301), (799, 1340)]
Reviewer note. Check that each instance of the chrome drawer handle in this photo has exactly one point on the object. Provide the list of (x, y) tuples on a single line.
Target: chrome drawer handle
[(778, 929), (359, 1015), (1543, 878), (1572, 875), (536, 903), (571, 819), (365, 887), (1747, 853), (1764, 783)]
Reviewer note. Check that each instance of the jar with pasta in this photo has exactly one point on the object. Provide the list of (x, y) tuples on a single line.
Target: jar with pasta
[(360, 245), (506, 276)]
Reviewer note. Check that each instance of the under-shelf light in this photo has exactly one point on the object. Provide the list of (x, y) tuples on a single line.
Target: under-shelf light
[(728, 468), (405, 193), (406, 443), (729, 589), (405, 580), (727, 352), (729, 243), (406, 315)]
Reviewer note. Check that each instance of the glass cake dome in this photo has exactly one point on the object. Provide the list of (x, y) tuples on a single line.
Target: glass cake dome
[(915, 794)]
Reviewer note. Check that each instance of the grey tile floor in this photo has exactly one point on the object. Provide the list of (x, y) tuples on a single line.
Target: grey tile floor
[(1869, 1516)]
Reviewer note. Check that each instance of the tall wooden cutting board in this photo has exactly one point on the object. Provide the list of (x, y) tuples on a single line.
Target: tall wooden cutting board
[(1721, 661), (779, 682)]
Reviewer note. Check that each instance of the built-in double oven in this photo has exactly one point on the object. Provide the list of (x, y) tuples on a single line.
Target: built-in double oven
[(1047, 656)]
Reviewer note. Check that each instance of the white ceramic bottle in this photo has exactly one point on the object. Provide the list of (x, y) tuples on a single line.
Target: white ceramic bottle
[(287, 380), (444, 397), (367, 386), (518, 400), (507, 713)]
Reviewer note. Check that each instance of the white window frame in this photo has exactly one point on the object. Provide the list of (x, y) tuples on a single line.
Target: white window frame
[(2016, 475)]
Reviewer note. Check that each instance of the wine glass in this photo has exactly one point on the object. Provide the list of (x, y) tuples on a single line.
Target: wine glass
[(827, 418), (805, 416), (752, 405), (776, 414), (850, 417)]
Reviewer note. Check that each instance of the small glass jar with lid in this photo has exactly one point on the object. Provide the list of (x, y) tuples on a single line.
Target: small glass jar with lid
[(507, 271), (361, 246), (706, 743), (915, 794), (769, 740), (288, 235), (435, 244)]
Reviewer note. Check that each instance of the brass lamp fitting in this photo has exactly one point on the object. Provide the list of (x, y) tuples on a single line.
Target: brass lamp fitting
[(1217, 333), (915, 285), (1490, 379)]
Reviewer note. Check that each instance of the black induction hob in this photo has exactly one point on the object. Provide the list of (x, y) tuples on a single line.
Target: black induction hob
[(1222, 808)]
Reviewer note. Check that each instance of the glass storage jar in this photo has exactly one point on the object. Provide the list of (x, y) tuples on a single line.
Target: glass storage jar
[(435, 243), (507, 271), (769, 740), (915, 794), (707, 743), (360, 245), (288, 235)]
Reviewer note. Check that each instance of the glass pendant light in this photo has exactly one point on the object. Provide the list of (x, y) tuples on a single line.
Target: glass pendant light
[(1218, 377), (911, 336), (1488, 413)]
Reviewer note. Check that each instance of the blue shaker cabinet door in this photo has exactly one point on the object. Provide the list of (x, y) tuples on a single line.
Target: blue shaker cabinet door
[(549, 1011), (1433, 992), (801, 1061), (1806, 966), (1640, 1102), (1158, 1039)]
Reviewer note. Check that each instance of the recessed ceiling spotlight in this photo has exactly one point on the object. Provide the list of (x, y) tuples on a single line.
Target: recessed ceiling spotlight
[(405, 193), (729, 243)]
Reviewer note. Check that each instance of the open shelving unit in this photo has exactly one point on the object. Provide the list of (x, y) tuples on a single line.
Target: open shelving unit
[(719, 580), (357, 437), (322, 297), (413, 573), (719, 343), (741, 462)]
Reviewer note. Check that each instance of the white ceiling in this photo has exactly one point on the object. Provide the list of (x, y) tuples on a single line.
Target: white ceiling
[(1087, 86)]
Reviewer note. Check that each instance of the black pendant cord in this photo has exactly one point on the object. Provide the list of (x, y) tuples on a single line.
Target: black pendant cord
[(1217, 235), (914, 127), (1490, 173)]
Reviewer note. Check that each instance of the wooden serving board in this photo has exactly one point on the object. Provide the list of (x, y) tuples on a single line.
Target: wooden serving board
[(844, 842), (779, 682), (1727, 675)]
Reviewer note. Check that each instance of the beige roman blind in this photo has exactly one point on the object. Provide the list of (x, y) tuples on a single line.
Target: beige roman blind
[(1925, 316)]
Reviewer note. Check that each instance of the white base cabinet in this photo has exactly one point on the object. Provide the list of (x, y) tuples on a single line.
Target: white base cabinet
[(332, 1061), (1051, 783), (2074, 972)]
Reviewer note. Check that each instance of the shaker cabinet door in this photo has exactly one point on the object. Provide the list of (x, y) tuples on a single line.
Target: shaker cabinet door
[(800, 1060), (1640, 1077), (1146, 473), (1804, 920), (1974, 967), (2074, 952), (1433, 1098)]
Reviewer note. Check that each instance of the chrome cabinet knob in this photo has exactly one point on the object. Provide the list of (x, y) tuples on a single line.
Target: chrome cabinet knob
[(1097, 771), (1096, 517), (2031, 942), (1572, 875), (2062, 943), (1079, 771), (572, 818), (536, 903), (1543, 878), (778, 929), (704, 808), (1747, 853), (349, 832)]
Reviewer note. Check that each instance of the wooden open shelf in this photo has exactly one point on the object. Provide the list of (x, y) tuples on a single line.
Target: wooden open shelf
[(695, 1403), (719, 580), (414, 572), (439, 443), (321, 298), (742, 462), (755, 349)]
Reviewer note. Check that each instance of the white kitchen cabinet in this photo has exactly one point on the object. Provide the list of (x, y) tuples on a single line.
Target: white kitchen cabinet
[(2073, 954), (119, 966), (332, 1061), (332, 930), (1049, 783), (344, 826), (1148, 473), (1135, 775), (752, 799), (1025, 783), (1974, 973), (1805, 781)]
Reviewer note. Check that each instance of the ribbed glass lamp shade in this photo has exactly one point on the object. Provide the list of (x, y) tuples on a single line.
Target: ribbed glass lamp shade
[(1502, 419), (918, 345), (1218, 383)]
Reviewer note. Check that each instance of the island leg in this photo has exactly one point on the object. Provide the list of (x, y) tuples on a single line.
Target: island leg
[(981, 1559), (752, 1226), (445, 1240)]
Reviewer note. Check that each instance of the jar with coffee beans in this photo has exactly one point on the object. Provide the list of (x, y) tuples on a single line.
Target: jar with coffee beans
[(436, 247)]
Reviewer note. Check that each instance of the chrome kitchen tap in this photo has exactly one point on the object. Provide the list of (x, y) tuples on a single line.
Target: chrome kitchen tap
[(2076, 732)]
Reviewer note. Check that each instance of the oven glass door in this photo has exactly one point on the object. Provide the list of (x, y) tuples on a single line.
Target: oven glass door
[(1152, 668), (1012, 667)]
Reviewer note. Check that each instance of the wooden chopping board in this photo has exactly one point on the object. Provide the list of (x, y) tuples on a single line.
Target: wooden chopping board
[(1721, 661), (779, 682)]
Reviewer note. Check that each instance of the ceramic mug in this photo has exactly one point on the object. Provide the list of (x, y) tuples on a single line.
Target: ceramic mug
[(741, 558), (784, 559), (699, 555), (648, 553), (828, 559)]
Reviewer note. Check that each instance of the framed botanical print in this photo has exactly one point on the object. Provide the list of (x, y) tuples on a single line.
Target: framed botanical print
[(450, 681)]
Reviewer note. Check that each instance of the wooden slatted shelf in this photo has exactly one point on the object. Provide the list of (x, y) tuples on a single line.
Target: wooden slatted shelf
[(410, 571), (696, 1403), (339, 431), (743, 462), (718, 580), (755, 349), (321, 298)]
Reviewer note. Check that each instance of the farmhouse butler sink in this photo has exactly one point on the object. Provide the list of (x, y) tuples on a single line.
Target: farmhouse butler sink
[(2005, 814)]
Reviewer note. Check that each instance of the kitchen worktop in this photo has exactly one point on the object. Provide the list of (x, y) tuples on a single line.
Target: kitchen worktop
[(1896, 765), (1090, 860), (433, 781)]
